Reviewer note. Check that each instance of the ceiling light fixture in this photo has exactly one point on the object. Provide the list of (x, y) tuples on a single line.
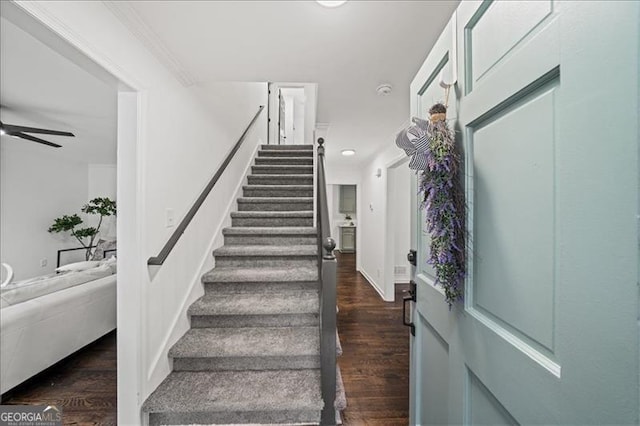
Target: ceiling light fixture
[(2, 132), (384, 89), (335, 3), (348, 152)]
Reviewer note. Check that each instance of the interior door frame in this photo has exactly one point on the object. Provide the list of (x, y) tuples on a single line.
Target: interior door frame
[(131, 142)]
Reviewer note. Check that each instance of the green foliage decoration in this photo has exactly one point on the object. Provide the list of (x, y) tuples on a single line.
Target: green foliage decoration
[(86, 236)]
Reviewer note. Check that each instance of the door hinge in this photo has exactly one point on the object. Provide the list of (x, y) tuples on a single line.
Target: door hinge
[(410, 298)]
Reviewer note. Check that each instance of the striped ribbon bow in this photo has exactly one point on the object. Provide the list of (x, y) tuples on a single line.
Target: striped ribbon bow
[(414, 140)]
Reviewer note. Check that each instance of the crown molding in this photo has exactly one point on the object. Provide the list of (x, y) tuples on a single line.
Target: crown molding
[(129, 16)]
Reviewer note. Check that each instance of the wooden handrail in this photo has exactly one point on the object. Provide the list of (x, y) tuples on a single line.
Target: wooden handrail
[(171, 243), (327, 268)]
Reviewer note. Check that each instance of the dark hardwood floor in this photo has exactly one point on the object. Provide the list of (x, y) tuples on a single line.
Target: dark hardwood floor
[(375, 344), (374, 364), (84, 385)]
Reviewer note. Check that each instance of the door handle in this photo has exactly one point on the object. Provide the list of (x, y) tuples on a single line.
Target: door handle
[(411, 257), (410, 298)]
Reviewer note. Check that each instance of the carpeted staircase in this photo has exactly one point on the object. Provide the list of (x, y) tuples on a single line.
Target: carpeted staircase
[(252, 354)]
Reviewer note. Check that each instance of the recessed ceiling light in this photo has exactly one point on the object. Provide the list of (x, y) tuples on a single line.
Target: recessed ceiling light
[(2, 132), (348, 152), (384, 89), (328, 3)]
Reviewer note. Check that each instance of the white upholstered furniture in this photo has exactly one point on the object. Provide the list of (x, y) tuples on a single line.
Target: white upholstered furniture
[(38, 332)]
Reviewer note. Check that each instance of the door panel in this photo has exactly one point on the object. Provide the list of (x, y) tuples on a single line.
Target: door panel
[(430, 359), (433, 373), (483, 408), (512, 288), (546, 108)]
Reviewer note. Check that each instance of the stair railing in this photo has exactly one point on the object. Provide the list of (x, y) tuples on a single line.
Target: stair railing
[(327, 268), (171, 243)]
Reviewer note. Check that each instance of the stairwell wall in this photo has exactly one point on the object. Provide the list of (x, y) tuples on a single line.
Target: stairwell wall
[(183, 134)]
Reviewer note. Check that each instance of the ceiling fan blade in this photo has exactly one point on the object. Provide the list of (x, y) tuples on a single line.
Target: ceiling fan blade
[(34, 139), (9, 128)]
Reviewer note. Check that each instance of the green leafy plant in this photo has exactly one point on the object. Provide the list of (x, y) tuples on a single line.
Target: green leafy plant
[(86, 236)]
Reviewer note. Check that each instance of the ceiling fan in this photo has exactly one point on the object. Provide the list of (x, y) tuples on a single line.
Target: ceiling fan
[(21, 132)]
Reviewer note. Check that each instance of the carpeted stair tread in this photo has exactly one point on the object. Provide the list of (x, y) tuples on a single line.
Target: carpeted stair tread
[(276, 179), (282, 187), (273, 230), (276, 191), (261, 275), (248, 342), (285, 153), (272, 214), (307, 160), (259, 303), (294, 251), (281, 169), (271, 200), (237, 397), (287, 147), (341, 396)]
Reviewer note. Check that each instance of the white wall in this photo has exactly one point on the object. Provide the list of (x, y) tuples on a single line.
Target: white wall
[(400, 220), (181, 141), (372, 220), (298, 120), (102, 182), (36, 187), (289, 107)]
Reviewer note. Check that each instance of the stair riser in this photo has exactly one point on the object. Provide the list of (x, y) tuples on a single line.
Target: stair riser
[(266, 261), (247, 363), (278, 192), (291, 161), (286, 147), (283, 170), (275, 206), (236, 417), (276, 221), (270, 240), (257, 287), (279, 180), (285, 153), (235, 321)]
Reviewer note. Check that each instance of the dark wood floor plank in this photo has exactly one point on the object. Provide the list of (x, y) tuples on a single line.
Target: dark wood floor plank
[(375, 344), (84, 385)]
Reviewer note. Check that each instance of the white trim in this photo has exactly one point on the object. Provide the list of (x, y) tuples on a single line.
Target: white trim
[(44, 17), (374, 285), (131, 19)]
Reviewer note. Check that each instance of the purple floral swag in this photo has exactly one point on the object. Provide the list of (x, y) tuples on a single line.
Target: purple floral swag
[(431, 146)]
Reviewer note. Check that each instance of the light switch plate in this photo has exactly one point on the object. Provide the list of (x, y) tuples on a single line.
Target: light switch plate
[(170, 218)]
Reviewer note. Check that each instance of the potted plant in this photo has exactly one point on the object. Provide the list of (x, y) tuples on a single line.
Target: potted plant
[(86, 236)]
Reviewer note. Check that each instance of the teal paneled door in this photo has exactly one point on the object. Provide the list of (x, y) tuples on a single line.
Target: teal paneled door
[(546, 107)]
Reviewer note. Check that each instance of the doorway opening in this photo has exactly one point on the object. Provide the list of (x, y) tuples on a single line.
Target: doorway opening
[(342, 200), (292, 113), (52, 82), (398, 227)]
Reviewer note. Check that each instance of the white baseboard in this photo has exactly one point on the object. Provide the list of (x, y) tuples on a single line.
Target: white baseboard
[(374, 285)]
